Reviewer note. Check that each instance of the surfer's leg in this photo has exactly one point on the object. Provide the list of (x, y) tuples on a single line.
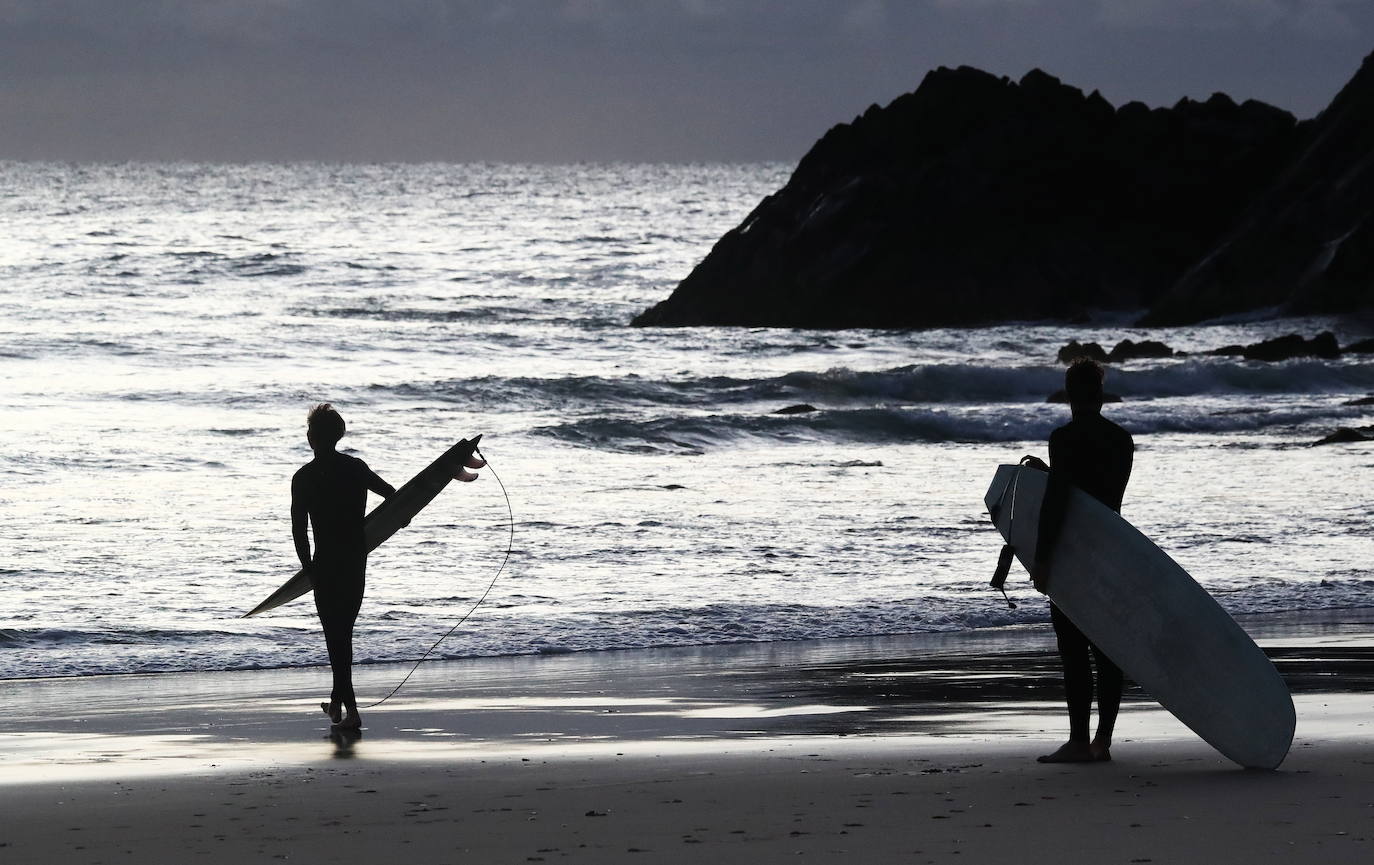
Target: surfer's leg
[(344, 678), (349, 604), (1110, 683), (337, 644), (1075, 654)]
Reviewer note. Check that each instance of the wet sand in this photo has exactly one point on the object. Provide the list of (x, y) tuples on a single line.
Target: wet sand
[(905, 749)]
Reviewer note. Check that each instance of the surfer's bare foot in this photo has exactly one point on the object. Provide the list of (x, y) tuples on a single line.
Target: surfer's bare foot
[(354, 721), (1102, 751), (333, 710), (1069, 752)]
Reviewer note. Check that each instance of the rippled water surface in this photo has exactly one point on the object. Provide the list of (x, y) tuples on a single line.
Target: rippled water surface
[(163, 329)]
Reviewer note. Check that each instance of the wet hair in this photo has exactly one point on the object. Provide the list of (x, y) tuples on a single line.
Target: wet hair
[(1083, 381), (325, 424)]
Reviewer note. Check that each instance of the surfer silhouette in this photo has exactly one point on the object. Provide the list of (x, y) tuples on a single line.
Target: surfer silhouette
[(1095, 455), (331, 491)]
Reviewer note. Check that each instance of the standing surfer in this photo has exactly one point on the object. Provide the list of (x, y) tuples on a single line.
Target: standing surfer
[(1095, 455), (331, 490)]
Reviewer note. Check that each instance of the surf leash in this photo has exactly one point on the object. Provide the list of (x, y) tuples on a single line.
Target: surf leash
[(1008, 554), (510, 546)]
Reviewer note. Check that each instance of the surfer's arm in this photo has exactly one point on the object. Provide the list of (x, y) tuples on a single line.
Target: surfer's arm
[(300, 519), (1052, 509), (379, 486)]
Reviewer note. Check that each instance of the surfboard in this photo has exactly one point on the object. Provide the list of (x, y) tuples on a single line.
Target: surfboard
[(1153, 619), (388, 517)]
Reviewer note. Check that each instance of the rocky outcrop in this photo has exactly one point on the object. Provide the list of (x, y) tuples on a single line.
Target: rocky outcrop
[(1306, 244), (977, 199)]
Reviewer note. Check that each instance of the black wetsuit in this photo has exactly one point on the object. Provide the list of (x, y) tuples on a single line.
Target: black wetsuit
[(333, 490), (1095, 455)]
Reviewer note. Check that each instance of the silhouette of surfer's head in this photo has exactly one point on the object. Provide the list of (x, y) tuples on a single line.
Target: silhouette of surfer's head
[(1083, 383), (324, 426)]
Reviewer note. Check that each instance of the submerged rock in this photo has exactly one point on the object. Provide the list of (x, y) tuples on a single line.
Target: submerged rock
[(1345, 435), (1131, 350), (1322, 345), (1125, 350), (799, 408), (1075, 350)]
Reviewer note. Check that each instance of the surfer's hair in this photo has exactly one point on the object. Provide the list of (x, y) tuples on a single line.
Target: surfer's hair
[(325, 424), (1083, 381)]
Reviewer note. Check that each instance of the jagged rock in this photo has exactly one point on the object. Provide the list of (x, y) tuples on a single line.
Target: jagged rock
[(1306, 244), (1131, 350), (1125, 350), (1363, 346), (1345, 435), (1363, 400), (1322, 345), (977, 199), (1075, 349), (1062, 396), (799, 408)]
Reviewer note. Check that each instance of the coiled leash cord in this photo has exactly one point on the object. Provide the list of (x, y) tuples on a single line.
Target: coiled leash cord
[(510, 545)]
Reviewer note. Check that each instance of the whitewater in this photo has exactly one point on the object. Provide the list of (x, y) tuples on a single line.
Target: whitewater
[(165, 327)]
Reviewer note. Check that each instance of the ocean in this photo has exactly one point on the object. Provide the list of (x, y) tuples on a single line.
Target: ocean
[(165, 327)]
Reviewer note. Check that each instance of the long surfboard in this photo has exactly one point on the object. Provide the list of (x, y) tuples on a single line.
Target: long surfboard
[(1153, 619), (388, 517)]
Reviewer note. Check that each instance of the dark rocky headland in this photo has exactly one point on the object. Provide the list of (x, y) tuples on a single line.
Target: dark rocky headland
[(977, 199)]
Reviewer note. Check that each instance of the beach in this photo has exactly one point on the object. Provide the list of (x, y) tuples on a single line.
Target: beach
[(916, 748)]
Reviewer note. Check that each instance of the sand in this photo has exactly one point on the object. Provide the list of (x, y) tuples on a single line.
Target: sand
[(916, 749)]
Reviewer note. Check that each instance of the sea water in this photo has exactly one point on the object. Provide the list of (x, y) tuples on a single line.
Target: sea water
[(164, 329)]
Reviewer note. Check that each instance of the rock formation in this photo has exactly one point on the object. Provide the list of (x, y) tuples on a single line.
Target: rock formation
[(1307, 244), (977, 199)]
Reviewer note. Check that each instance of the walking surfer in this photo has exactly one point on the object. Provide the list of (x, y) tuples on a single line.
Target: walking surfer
[(1095, 455), (331, 490)]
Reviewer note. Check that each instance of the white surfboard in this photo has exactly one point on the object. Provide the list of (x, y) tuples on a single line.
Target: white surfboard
[(1151, 618)]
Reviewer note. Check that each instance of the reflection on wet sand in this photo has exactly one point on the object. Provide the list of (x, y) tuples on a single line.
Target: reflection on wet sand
[(1002, 683)]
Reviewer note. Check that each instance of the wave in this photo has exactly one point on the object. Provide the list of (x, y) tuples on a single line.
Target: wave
[(699, 433), (39, 638), (406, 314), (203, 262), (504, 633), (957, 384)]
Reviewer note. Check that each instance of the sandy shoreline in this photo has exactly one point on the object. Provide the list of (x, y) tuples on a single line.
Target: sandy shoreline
[(881, 747)]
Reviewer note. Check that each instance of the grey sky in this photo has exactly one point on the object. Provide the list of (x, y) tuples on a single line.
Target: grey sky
[(569, 80)]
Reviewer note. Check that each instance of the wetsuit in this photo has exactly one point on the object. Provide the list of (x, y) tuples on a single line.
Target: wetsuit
[(1095, 455), (332, 489)]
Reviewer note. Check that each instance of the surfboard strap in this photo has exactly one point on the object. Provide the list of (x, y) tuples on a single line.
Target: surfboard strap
[(510, 545)]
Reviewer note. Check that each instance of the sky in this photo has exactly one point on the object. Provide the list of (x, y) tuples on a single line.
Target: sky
[(601, 80)]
